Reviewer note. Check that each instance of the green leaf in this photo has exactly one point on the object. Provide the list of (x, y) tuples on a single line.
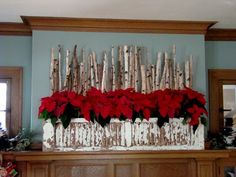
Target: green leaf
[(65, 121), (44, 115), (53, 121)]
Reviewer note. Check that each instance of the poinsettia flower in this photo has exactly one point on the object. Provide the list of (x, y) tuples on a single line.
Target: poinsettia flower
[(195, 113), (60, 110)]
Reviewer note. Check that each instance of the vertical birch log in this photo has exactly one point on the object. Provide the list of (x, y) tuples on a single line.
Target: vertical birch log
[(95, 70), (132, 81), (51, 70), (186, 73), (177, 86), (174, 67), (104, 72), (167, 83), (55, 75), (136, 69), (82, 78), (92, 70), (75, 67), (67, 82), (158, 70), (181, 78), (143, 78), (164, 73), (148, 80), (59, 67), (126, 66), (120, 67), (100, 69), (113, 85), (130, 66), (88, 72), (191, 71), (171, 73), (153, 85)]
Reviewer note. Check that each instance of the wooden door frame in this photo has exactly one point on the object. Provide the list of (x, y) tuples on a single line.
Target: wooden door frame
[(216, 78)]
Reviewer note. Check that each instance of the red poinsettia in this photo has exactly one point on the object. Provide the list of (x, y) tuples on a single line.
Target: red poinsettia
[(124, 104)]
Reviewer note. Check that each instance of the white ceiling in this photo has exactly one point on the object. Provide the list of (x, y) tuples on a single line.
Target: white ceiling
[(223, 11)]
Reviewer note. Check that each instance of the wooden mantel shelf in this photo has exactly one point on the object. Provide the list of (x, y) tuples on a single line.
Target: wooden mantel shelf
[(39, 155)]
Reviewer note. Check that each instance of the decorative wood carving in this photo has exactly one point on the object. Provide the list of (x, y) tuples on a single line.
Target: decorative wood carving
[(221, 35), (21, 29), (117, 25)]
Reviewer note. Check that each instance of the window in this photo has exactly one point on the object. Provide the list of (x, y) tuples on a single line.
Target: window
[(11, 99), (4, 103)]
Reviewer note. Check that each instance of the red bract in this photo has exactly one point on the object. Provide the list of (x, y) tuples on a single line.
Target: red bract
[(127, 104), (192, 94), (195, 113)]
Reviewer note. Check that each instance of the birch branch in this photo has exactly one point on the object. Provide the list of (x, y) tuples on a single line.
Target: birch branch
[(113, 85), (95, 70), (75, 67), (51, 70), (59, 67), (158, 70), (191, 71), (126, 66), (136, 68), (143, 78)]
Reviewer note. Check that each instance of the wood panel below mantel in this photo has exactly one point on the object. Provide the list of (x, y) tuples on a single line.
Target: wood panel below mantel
[(120, 163)]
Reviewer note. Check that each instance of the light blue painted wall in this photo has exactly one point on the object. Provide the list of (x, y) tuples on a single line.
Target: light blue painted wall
[(16, 51), (42, 41), (221, 55)]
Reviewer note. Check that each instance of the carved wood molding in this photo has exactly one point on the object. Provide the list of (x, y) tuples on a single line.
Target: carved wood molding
[(117, 25), (221, 35), (16, 29)]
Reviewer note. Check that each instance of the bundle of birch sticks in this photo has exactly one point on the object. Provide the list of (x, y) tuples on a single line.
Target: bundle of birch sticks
[(126, 70)]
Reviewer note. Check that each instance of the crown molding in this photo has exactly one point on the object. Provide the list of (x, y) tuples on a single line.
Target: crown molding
[(16, 29), (221, 35), (117, 25)]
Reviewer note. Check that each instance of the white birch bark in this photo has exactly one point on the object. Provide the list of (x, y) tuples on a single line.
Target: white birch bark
[(60, 67), (158, 70), (136, 69), (181, 79), (164, 73), (68, 71), (113, 87), (143, 78), (148, 80), (126, 66), (191, 71), (104, 72), (121, 68), (174, 67), (153, 85), (92, 70), (75, 67), (95, 70), (186, 73), (51, 70)]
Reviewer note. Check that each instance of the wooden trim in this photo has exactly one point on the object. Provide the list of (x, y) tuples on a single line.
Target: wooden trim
[(16, 29), (205, 154), (221, 35), (117, 25), (218, 77), (16, 76)]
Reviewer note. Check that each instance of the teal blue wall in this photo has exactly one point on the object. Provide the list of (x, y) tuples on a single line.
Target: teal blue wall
[(221, 55), (16, 51), (42, 41)]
